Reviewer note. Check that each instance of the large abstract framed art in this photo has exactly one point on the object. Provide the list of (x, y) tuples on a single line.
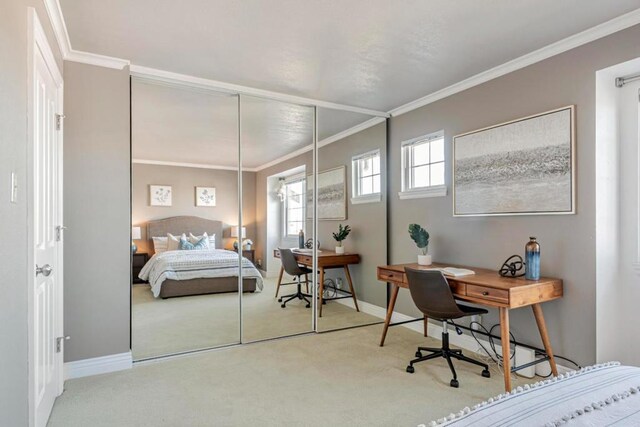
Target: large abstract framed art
[(522, 167)]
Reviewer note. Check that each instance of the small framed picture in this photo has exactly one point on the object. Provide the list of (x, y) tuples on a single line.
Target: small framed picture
[(205, 196), (160, 195)]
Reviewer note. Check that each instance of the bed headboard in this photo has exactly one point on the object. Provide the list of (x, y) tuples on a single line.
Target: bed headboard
[(177, 225)]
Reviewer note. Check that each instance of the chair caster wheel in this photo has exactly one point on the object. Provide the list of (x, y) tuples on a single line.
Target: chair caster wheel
[(454, 383), (418, 354), (308, 305), (410, 369), (486, 373), (279, 299), (283, 306)]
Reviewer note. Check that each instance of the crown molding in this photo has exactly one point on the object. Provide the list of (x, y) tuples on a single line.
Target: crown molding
[(189, 165), (599, 31), (168, 77), (64, 43)]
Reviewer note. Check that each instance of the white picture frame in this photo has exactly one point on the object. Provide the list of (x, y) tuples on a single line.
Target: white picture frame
[(160, 195), (522, 167), (205, 196)]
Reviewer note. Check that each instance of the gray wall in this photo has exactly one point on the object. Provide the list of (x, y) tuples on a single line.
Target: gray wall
[(183, 181), (96, 209), (568, 242), (13, 217)]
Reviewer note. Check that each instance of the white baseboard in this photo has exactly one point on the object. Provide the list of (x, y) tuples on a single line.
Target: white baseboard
[(464, 341), (98, 365)]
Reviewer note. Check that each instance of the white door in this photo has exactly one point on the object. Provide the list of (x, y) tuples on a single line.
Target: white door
[(45, 196)]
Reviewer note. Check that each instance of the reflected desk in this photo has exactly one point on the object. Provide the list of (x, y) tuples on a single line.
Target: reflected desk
[(326, 260), (487, 288)]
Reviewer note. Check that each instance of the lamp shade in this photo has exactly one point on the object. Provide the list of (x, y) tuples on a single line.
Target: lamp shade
[(234, 232), (136, 233)]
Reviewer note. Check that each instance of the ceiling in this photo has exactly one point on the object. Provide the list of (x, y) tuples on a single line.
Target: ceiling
[(376, 54), (186, 125)]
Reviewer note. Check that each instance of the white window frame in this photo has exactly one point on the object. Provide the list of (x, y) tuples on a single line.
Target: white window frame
[(285, 214), (356, 197), (409, 192)]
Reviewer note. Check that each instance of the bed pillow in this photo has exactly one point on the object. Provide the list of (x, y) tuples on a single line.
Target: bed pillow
[(159, 244), (173, 242), (212, 239), (200, 245)]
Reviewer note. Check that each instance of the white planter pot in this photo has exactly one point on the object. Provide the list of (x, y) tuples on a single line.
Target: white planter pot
[(424, 259), (340, 250)]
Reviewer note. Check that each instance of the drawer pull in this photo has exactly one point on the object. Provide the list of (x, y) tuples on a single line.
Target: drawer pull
[(485, 293)]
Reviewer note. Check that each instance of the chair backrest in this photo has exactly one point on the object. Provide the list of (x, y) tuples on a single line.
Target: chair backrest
[(431, 293), (289, 262)]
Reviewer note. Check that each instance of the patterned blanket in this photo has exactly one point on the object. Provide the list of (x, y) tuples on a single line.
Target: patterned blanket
[(602, 395), (185, 265)]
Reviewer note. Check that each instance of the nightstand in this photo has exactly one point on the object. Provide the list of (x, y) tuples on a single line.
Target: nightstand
[(138, 260), (250, 255)]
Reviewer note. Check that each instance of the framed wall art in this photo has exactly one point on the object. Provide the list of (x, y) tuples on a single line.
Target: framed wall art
[(522, 167), (205, 196), (332, 194), (160, 195)]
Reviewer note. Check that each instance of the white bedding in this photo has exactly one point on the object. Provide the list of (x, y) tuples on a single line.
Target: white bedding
[(601, 395), (185, 265)]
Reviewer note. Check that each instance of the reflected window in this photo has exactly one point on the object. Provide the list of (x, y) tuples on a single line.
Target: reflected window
[(294, 206), (366, 177), (423, 165)]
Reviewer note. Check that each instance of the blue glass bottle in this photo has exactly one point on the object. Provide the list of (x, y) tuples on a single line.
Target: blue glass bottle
[(301, 239), (532, 259)]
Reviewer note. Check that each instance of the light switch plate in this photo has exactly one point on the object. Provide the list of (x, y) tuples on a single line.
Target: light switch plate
[(14, 188)]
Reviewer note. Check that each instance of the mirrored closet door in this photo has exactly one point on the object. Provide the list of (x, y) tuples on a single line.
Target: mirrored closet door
[(352, 218), (185, 186), (277, 144)]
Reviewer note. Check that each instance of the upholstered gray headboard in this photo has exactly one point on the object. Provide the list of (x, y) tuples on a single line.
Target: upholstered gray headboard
[(177, 225)]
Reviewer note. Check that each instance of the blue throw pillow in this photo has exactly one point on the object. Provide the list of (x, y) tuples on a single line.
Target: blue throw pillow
[(186, 245)]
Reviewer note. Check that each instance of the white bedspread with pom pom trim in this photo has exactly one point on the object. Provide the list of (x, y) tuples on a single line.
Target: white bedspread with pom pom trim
[(602, 395)]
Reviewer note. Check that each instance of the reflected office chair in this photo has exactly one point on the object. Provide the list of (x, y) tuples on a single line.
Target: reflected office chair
[(431, 293), (292, 268)]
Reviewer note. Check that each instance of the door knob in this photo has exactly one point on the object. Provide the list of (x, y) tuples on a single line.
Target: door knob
[(45, 270)]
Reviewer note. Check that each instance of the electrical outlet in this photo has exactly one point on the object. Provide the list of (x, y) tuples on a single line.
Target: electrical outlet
[(14, 188), (339, 283)]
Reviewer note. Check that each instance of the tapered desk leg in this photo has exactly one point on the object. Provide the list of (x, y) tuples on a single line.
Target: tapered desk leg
[(506, 350), (426, 326), (320, 291), (542, 327), (392, 303), (279, 280), (353, 292)]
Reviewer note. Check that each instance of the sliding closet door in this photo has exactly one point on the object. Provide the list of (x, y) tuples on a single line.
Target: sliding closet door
[(277, 166), (185, 150), (352, 218)]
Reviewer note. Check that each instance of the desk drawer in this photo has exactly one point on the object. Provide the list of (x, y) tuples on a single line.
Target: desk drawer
[(493, 294), (390, 275), (304, 260)]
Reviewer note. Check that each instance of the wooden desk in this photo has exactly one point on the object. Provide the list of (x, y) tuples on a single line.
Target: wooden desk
[(326, 260), (487, 288)]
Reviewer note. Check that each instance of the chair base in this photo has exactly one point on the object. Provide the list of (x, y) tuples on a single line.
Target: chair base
[(299, 295), (448, 353)]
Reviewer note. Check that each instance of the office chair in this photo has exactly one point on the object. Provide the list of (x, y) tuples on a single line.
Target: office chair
[(292, 268), (431, 293)]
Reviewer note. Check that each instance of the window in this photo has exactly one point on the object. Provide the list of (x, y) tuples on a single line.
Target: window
[(294, 207), (423, 167), (366, 177)]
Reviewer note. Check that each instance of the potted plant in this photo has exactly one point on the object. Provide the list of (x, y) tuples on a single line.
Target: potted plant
[(421, 237), (342, 234)]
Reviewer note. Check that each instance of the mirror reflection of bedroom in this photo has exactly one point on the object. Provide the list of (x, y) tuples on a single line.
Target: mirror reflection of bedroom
[(189, 239)]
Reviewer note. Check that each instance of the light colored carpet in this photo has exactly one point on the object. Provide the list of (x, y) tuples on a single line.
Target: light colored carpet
[(175, 325), (338, 378)]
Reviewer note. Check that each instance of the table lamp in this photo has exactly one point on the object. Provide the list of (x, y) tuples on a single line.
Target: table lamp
[(136, 234), (234, 233)]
